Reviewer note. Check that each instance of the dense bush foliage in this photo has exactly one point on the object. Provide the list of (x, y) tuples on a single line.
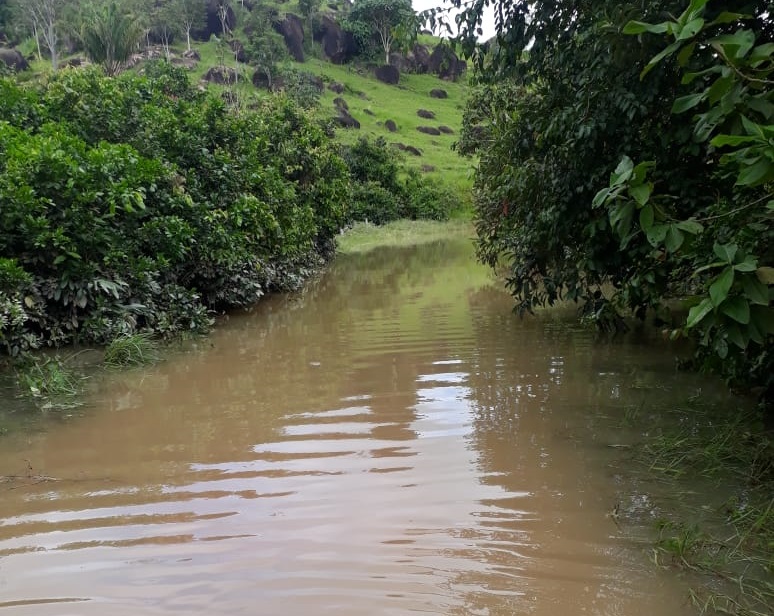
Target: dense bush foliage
[(383, 190), (605, 89), (138, 203)]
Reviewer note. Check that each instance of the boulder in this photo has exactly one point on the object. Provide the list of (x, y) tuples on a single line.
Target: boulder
[(346, 120), (387, 74), (187, 63), (76, 62), (13, 59), (337, 45), (261, 80), (445, 63), (421, 58), (335, 86), (192, 54), (340, 103), (238, 49), (424, 113), (221, 74), (446, 130), (407, 148), (428, 130), (212, 23), (292, 30), (438, 93), (413, 61), (391, 126)]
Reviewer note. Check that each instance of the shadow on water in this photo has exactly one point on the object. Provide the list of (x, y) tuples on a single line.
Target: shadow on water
[(390, 440)]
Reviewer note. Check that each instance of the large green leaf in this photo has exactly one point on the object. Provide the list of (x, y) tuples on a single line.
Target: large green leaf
[(757, 173), (698, 312), (674, 238), (736, 45), (726, 17), (668, 51), (638, 27), (641, 193), (719, 289), (684, 103), (690, 29), (737, 308), (622, 172), (755, 290), (690, 226), (725, 252), (732, 140)]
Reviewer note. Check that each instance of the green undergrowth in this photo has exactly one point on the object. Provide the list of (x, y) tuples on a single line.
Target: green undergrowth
[(727, 544), (363, 237), (50, 382), (131, 350)]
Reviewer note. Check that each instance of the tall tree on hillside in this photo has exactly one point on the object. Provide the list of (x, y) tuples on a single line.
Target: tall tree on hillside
[(383, 19), (110, 35), (42, 18), (265, 47), (309, 9), (192, 13)]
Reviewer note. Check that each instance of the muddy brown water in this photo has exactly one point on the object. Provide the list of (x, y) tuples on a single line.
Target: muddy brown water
[(393, 440)]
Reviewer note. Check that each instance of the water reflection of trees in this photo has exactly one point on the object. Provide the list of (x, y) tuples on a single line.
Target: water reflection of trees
[(548, 398)]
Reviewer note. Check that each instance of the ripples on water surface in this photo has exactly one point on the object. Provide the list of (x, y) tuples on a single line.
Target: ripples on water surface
[(392, 441)]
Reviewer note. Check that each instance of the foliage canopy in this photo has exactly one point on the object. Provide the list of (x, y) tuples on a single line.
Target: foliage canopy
[(578, 97)]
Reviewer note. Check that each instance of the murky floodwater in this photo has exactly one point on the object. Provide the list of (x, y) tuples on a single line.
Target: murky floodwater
[(392, 441)]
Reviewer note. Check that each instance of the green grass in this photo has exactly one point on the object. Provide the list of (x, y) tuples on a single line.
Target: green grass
[(731, 546), (364, 237), (364, 93), (372, 103), (131, 350), (50, 382)]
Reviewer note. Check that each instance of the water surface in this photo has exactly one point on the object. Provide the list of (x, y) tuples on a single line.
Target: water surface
[(393, 440)]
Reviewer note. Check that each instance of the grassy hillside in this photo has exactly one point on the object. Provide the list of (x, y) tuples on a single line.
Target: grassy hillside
[(370, 102)]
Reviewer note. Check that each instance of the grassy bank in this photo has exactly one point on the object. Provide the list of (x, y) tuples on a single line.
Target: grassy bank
[(363, 237), (724, 543)]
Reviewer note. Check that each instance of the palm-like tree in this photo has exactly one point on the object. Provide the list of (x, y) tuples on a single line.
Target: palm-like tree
[(110, 35)]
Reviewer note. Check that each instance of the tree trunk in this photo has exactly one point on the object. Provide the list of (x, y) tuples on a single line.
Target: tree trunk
[(51, 41)]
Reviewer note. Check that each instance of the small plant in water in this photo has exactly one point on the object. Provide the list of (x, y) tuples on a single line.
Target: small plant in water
[(50, 382), (131, 350), (737, 552)]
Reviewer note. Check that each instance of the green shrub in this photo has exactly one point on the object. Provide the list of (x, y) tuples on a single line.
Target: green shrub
[(371, 202), (138, 204), (429, 200)]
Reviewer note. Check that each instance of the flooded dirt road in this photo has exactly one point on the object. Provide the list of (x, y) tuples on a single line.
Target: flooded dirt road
[(391, 441)]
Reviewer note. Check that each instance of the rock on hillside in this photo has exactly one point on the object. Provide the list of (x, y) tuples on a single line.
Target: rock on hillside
[(337, 45), (292, 30), (13, 59), (212, 23)]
